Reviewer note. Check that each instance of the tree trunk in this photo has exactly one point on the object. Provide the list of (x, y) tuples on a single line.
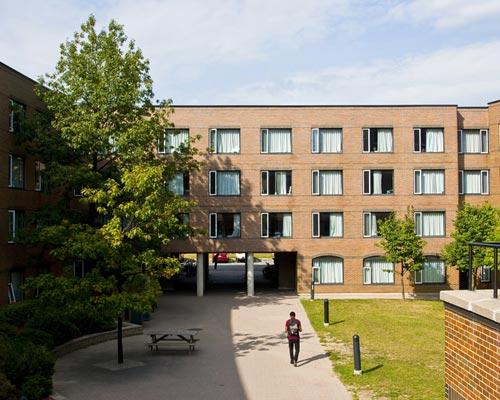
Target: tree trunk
[(119, 339)]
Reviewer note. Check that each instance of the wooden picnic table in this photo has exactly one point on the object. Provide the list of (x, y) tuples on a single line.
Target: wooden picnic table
[(173, 335)]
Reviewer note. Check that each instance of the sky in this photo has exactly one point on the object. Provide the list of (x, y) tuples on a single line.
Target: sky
[(282, 52)]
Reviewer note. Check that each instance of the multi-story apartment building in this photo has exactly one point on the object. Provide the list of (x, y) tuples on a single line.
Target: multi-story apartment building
[(307, 183), (311, 183), (21, 186)]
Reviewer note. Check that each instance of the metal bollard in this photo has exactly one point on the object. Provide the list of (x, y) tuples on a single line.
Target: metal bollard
[(326, 313), (357, 355), (312, 291)]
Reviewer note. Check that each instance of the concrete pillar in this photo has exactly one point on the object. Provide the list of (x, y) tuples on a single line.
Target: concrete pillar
[(250, 274), (200, 274)]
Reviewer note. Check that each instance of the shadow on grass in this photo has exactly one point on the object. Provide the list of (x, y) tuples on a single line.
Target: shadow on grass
[(367, 371)]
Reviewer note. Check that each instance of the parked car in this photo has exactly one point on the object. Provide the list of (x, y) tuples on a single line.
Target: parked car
[(189, 267), (270, 271), (240, 257), (221, 257)]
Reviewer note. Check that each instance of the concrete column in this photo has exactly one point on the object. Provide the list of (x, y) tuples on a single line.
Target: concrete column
[(250, 274), (200, 274)]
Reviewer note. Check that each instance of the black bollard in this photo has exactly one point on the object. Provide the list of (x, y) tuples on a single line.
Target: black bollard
[(312, 291), (357, 355), (326, 312)]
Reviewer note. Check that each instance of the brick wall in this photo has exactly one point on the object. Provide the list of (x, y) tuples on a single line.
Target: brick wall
[(472, 346)]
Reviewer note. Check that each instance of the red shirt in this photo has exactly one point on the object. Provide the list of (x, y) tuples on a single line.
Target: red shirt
[(287, 324)]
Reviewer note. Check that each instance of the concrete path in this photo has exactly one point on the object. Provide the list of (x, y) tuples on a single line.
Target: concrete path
[(242, 354)]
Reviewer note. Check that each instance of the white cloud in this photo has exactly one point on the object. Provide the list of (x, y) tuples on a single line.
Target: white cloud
[(450, 76), (446, 14)]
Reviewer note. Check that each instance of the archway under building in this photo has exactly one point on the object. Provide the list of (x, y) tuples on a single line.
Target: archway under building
[(253, 273)]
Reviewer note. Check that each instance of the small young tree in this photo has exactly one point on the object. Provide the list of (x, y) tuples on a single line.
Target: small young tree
[(401, 244), (473, 224), (101, 142)]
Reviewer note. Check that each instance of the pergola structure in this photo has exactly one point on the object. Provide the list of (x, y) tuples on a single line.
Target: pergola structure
[(495, 246)]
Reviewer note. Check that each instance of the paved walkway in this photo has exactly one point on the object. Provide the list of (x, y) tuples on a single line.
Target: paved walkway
[(242, 354)]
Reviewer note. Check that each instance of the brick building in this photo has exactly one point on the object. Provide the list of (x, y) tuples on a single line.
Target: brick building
[(310, 183), (307, 183)]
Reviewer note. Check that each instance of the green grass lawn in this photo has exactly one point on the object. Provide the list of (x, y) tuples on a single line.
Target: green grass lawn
[(402, 345)]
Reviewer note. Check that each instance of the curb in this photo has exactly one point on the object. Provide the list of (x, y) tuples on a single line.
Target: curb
[(95, 338)]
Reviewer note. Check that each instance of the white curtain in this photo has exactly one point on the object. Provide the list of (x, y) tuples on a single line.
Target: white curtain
[(384, 140), (377, 271), (433, 182), (287, 225), (433, 224), (330, 140), (228, 183), (176, 185), (228, 141), (471, 141), (373, 225), (330, 182), (331, 269), (280, 188), (236, 226), (472, 182), (174, 140), (335, 224), (433, 271), (280, 141), (377, 182), (434, 141)]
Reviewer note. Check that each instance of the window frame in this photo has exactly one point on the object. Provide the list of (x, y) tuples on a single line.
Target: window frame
[(185, 184), (484, 141), (484, 177), (164, 149), (418, 176), (16, 116), (419, 220), (265, 224), (418, 275), (213, 140), (418, 139), (369, 269), (368, 179), (14, 183), (213, 225), (316, 270), (315, 182), (366, 139), (264, 143), (265, 182), (316, 141), (213, 179), (367, 227), (316, 224), (15, 222)]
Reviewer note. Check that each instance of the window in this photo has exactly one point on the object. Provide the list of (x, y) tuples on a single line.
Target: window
[(377, 140), (473, 141), (174, 140), (328, 270), (430, 223), (224, 141), (224, 225), (428, 181), (378, 271), (474, 182), (278, 183), (16, 281), (16, 116), (276, 225), (179, 185), (326, 140), (16, 172), (378, 181), (327, 224), (326, 183), (433, 271), (39, 169), (224, 183), (275, 140), (485, 274), (428, 140), (371, 222), (79, 268), (15, 224)]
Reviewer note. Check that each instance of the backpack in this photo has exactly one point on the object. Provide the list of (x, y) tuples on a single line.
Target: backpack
[(293, 328)]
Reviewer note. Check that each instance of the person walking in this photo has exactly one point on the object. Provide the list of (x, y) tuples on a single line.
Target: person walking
[(293, 327)]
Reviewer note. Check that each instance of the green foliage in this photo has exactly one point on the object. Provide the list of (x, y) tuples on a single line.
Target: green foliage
[(37, 337), (18, 313), (36, 387), (401, 244), (473, 224), (7, 390)]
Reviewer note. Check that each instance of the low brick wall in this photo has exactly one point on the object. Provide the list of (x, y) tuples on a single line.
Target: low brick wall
[(95, 338), (472, 345)]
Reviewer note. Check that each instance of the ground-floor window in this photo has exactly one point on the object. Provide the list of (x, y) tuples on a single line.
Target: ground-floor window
[(433, 271), (377, 271), (328, 270)]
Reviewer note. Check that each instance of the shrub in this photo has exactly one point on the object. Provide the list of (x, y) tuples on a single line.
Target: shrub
[(7, 389), (55, 322), (37, 337), (18, 313), (36, 387)]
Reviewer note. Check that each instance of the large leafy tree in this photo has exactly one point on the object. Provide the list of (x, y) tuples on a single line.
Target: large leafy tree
[(401, 244), (101, 141), (473, 224)]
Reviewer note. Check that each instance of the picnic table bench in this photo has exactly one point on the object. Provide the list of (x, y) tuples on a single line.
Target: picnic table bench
[(187, 336)]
